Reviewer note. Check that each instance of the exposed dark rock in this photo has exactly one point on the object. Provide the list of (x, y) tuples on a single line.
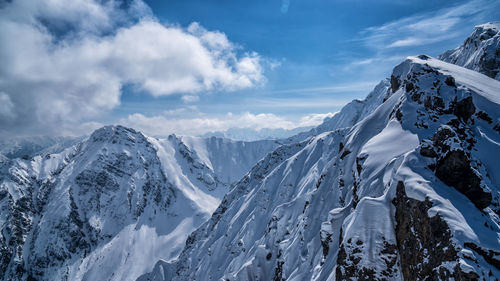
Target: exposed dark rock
[(325, 244), (347, 266), (350, 255), (484, 116), (424, 243), (489, 256), (491, 65), (427, 150), (416, 96), (497, 128), (345, 153), (454, 170), (423, 57), (390, 257), (438, 102), (395, 83), (359, 164), (305, 207), (441, 137), (320, 180), (399, 114), (409, 86), (278, 271), (465, 108), (450, 81)]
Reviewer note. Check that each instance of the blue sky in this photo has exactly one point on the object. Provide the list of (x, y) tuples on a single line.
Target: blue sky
[(321, 47), (302, 60)]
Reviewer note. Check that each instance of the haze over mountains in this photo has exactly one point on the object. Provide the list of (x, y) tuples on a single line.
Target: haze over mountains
[(403, 185)]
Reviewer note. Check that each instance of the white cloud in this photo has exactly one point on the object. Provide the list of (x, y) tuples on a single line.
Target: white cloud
[(314, 119), (162, 125), (188, 110), (190, 98), (6, 106), (65, 62), (374, 60)]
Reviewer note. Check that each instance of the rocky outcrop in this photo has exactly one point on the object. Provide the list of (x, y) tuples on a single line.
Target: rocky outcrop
[(337, 207), (452, 143), (454, 170), (480, 51), (424, 243), (350, 268), (465, 108)]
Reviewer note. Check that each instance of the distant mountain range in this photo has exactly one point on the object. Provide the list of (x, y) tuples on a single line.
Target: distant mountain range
[(246, 134), (403, 185)]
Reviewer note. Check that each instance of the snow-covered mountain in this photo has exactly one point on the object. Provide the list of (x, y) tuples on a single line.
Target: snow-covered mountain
[(409, 191), (479, 52), (403, 185), (109, 206), (27, 147), (248, 134)]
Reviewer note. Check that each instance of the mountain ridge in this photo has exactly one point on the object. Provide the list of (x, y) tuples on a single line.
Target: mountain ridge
[(339, 205), (402, 185), (95, 209)]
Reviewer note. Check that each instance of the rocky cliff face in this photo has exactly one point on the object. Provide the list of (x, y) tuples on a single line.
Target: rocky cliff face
[(405, 193)]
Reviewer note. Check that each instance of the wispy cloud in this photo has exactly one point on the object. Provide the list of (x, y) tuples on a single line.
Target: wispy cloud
[(190, 98), (373, 60), (350, 87), (285, 4), (428, 28)]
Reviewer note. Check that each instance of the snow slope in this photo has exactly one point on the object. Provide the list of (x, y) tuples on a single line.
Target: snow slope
[(229, 159), (408, 192), (110, 206), (479, 52)]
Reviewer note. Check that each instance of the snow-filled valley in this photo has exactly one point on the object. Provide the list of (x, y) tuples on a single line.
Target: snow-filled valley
[(403, 185)]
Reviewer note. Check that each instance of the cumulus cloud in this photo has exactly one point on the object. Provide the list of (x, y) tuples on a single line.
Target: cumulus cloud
[(168, 123), (65, 62)]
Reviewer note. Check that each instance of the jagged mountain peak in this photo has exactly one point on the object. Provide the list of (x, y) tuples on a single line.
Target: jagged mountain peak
[(117, 134), (363, 201), (479, 51), (452, 73), (493, 26), (402, 185), (91, 211)]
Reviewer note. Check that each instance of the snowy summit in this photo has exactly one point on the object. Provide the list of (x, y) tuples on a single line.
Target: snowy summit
[(123, 156)]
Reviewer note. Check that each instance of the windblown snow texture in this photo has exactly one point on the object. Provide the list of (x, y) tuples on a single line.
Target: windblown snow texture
[(406, 191), (403, 185)]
